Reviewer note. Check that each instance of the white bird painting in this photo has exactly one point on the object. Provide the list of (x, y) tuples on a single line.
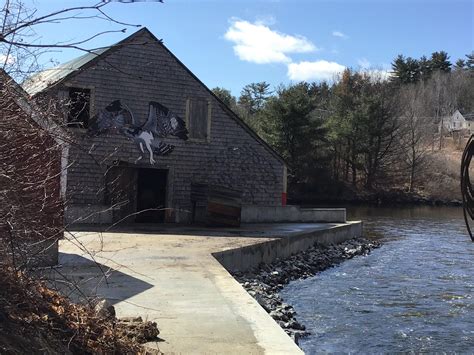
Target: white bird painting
[(161, 123)]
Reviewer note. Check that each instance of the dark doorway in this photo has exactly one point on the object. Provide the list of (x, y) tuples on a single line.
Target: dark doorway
[(121, 192), (151, 195)]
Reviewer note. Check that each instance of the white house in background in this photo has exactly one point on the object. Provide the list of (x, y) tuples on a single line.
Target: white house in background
[(457, 122)]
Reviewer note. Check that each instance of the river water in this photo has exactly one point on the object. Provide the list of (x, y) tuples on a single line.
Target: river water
[(415, 293)]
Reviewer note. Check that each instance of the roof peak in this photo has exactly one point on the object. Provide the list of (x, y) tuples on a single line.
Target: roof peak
[(53, 76)]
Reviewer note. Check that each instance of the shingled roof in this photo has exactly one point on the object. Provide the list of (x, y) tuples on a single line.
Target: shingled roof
[(21, 98), (468, 116), (54, 76)]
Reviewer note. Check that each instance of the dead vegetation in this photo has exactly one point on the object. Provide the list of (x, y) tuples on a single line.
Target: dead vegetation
[(34, 318), (441, 181)]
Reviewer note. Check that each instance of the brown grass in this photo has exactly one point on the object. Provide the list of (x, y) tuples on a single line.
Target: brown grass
[(441, 177), (36, 318)]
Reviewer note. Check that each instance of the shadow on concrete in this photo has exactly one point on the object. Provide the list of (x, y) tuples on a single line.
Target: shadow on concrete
[(82, 279), (258, 230)]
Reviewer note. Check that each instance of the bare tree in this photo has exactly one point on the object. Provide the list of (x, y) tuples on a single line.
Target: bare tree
[(21, 46), (416, 128), (445, 94), (31, 209)]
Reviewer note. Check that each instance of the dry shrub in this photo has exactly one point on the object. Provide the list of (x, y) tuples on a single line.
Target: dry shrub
[(31, 209), (34, 317), (441, 178)]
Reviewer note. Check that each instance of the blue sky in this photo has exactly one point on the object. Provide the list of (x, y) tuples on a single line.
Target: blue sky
[(231, 43)]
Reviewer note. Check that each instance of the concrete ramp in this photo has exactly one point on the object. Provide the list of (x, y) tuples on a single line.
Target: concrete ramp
[(174, 279)]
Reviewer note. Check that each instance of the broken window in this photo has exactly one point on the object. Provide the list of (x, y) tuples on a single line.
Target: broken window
[(198, 120), (79, 107)]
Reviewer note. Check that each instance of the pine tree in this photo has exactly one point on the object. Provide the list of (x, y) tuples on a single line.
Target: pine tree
[(252, 100), (399, 70), (253, 96), (405, 71), (440, 61), (291, 126), (470, 61), (425, 68), (460, 64), (413, 70), (225, 96)]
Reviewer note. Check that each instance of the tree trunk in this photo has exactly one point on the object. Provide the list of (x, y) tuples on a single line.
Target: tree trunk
[(354, 169), (412, 169)]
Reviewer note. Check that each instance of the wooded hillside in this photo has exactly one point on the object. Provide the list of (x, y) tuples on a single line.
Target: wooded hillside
[(365, 136)]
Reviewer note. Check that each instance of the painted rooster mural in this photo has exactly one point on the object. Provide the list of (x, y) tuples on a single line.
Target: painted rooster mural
[(161, 122)]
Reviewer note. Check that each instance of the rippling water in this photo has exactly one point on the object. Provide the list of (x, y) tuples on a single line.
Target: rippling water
[(415, 293)]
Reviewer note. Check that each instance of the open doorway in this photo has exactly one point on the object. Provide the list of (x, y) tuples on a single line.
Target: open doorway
[(151, 195)]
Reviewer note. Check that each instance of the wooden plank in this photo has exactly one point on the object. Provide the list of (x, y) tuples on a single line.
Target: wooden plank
[(218, 221), (222, 204), (224, 201), (198, 118), (224, 210), (218, 214)]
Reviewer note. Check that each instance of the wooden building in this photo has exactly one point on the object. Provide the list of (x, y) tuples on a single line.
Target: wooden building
[(31, 207), (145, 129)]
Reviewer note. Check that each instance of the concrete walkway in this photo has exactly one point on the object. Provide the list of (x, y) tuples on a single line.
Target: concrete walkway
[(174, 280)]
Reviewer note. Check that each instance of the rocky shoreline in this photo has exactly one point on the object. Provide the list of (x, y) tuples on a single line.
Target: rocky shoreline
[(264, 282)]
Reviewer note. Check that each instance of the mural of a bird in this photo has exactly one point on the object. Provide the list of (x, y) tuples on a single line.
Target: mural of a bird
[(161, 123), (111, 119)]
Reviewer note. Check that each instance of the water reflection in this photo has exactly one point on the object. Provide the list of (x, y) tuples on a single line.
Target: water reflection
[(413, 294)]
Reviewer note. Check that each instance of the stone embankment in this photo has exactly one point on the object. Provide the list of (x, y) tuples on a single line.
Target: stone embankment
[(265, 282)]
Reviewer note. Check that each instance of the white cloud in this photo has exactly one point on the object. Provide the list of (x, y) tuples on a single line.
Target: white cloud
[(364, 63), (8, 60), (339, 34), (381, 74), (318, 70), (257, 43)]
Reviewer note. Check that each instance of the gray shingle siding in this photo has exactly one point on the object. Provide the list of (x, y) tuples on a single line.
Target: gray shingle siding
[(138, 74)]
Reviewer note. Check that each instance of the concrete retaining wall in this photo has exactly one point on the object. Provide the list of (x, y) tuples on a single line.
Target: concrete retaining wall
[(245, 258), (272, 214), (102, 214)]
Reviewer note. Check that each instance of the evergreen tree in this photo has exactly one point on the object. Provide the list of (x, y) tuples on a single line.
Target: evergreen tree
[(405, 71), (440, 61), (345, 133), (460, 64), (290, 125), (253, 97), (470, 61), (413, 70), (252, 100), (399, 70), (225, 96), (322, 94), (425, 68)]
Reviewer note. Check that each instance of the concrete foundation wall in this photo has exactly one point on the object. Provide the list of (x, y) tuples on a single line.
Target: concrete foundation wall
[(95, 214), (277, 214), (245, 258)]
